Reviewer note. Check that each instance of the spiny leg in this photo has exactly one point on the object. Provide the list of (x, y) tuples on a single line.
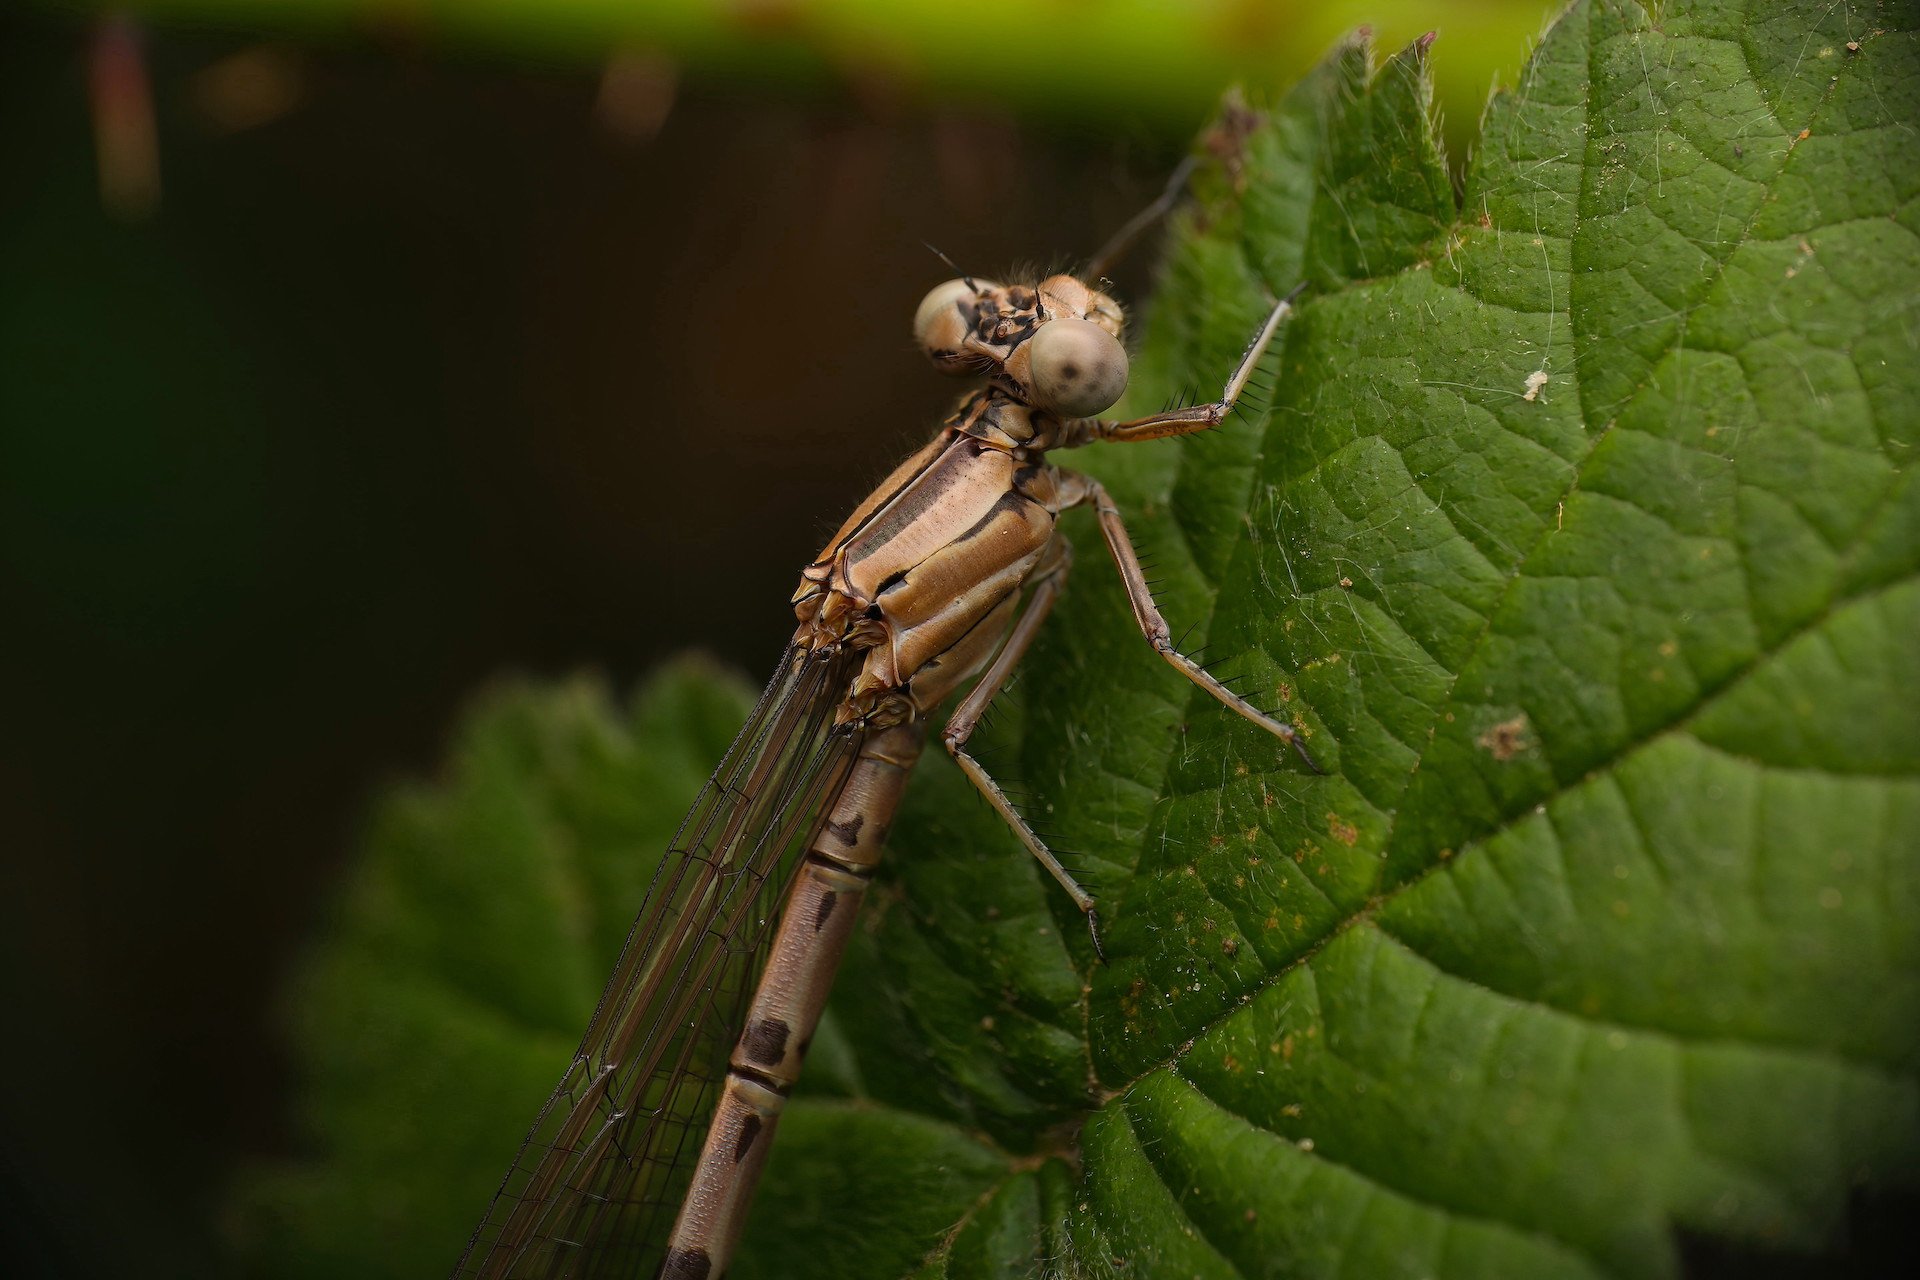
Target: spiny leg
[(966, 718), (1153, 624), (1122, 240), (1201, 417)]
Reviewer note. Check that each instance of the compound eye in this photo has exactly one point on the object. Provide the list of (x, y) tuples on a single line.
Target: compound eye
[(1077, 368), (943, 321)]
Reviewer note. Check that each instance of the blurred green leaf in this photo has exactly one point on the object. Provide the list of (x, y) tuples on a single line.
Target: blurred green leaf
[(1577, 528), (463, 960)]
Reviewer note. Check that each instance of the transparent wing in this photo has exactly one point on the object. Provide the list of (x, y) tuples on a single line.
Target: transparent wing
[(596, 1186)]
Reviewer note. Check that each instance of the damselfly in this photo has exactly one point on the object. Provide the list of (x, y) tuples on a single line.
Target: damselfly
[(945, 572)]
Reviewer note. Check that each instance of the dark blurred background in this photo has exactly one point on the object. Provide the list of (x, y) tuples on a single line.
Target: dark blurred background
[(345, 364), (434, 374)]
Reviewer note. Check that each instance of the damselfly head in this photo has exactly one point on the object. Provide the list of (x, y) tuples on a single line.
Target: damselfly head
[(1072, 363), (1058, 344)]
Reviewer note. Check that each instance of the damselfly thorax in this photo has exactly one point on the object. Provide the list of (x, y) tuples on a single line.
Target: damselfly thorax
[(925, 575), (945, 573)]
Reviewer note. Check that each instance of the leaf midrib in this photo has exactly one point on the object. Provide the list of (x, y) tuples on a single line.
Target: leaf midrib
[(1425, 1200), (1379, 901)]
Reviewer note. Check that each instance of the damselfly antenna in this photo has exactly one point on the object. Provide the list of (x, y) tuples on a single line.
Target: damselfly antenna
[(964, 277)]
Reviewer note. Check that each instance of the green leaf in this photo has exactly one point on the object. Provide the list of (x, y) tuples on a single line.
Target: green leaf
[(463, 960), (1576, 528)]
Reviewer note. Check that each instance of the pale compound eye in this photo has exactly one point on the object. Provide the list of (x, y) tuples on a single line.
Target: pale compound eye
[(944, 320), (1077, 368)]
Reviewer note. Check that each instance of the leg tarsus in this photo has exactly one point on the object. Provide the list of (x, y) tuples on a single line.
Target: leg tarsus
[(1085, 490), (966, 718), (987, 787), (1222, 694)]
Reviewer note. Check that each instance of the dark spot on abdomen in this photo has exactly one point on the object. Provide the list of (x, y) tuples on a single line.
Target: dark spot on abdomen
[(686, 1264), (766, 1042), (749, 1130), (824, 911)]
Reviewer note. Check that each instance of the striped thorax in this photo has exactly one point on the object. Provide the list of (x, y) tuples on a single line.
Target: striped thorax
[(925, 576)]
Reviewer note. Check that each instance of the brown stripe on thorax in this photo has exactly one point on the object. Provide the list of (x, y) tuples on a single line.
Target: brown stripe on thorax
[(886, 494), (951, 495)]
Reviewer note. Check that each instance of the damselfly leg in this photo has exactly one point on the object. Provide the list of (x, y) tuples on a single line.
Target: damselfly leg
[(1121, 241), (1199, 417), (1153, 624), (1052, 576), (1077, 489)]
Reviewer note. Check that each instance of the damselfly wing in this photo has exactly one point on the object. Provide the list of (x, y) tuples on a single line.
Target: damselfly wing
[(603, 1170)]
